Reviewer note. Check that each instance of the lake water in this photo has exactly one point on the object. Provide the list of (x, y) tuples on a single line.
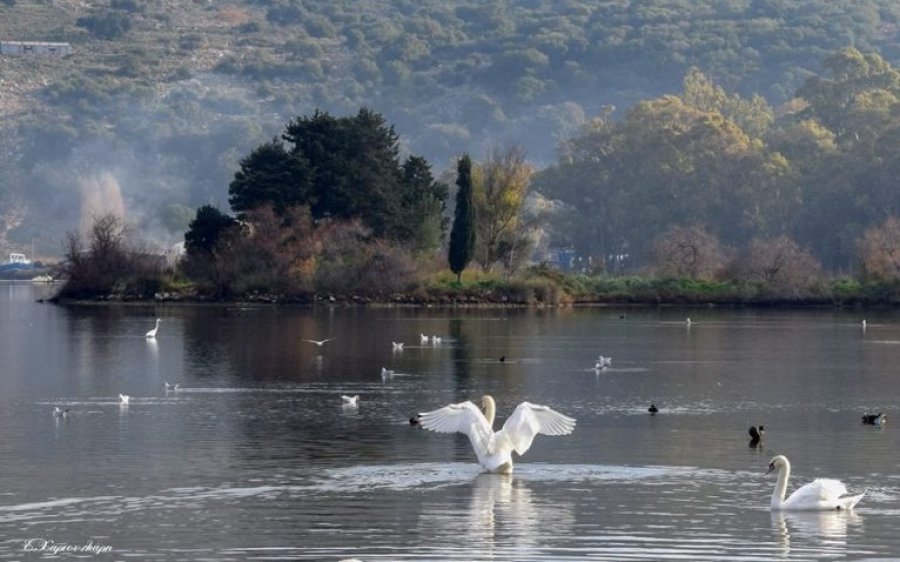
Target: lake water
[(256, 458)]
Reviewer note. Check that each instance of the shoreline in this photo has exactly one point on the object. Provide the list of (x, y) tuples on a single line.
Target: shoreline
[(534, 292), (470, 302)]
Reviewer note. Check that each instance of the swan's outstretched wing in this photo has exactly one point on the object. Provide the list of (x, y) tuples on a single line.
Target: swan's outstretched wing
[(530, 419), (464, 417)]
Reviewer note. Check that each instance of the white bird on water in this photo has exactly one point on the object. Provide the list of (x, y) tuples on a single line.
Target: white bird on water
[(397, 346), (123, 399), (350, 400), (60, 413), (822, 494), (494, 448), (423, 338), (319, 343), (603, 362), (435, 339), (386, 373), (171, 386), (152, 333)]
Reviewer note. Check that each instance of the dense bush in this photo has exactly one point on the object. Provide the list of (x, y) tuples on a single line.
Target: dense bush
[(688, 252), (106, 25), (352, 264), (108, 265), (780, 267), (879, 251), (134, 6)]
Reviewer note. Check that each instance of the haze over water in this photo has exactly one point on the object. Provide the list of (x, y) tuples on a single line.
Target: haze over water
[(256, 458)]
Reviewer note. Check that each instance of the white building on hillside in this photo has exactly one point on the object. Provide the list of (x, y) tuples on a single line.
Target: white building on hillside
[(43, 48)]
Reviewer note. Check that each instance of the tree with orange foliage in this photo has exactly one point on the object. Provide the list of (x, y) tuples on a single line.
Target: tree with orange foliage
[(688, 251), (879, 251)]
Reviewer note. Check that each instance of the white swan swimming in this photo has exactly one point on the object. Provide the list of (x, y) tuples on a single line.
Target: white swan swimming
[(57, 412), (603, 362), (123, 399), (423, 338), (152, 333), (350, 400), (494, 448), (822, 494), (397, 346), (170, 386), (435, 339)]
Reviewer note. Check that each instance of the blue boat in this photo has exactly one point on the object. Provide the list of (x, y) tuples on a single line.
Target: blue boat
[(17, 262)]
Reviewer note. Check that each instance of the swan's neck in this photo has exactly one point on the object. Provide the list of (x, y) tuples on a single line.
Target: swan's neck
[(781, 486), (490, 410)]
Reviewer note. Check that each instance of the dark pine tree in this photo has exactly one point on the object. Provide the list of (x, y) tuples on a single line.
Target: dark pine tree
[(206, 229), (271, 175), (356, 167), (462, 235), (344, 168), (422, 205)]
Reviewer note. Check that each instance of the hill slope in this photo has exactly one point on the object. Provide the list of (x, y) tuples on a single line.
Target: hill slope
[(160, 99)]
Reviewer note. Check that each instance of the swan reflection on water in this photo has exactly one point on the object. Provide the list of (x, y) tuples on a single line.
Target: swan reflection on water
[(503, 514), (825, 531)]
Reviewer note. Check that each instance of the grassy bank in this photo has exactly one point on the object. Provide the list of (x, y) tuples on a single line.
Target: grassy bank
[(538, 286), (541, 286)]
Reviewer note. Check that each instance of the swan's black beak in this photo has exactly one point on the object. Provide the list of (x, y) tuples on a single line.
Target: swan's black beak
[(771, 467)]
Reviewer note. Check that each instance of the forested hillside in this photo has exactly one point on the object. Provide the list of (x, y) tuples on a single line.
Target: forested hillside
[(161, 99)]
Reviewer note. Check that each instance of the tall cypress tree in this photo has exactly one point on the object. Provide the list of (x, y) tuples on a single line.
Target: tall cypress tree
[(462, 235)]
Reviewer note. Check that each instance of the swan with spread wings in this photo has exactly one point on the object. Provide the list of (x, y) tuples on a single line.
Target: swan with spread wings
[(494, 448)]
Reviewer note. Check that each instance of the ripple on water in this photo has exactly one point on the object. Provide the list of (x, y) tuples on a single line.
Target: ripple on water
[(543, 512), (348, 480)]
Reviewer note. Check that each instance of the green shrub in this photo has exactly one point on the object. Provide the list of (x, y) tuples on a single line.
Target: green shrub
[(106, 25), (133, 6)]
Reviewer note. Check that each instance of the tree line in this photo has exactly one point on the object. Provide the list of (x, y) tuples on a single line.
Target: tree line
[(819, 171), (328, 206), (704, 185), (446, 74)]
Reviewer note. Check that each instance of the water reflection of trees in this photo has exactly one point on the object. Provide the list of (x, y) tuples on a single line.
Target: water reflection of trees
[(99, 340)]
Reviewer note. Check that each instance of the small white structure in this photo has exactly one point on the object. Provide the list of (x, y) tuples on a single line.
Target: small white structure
[(19, 259), (44, 48)]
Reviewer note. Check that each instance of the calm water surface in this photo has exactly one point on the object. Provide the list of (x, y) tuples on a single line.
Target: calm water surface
[(256, 458)]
